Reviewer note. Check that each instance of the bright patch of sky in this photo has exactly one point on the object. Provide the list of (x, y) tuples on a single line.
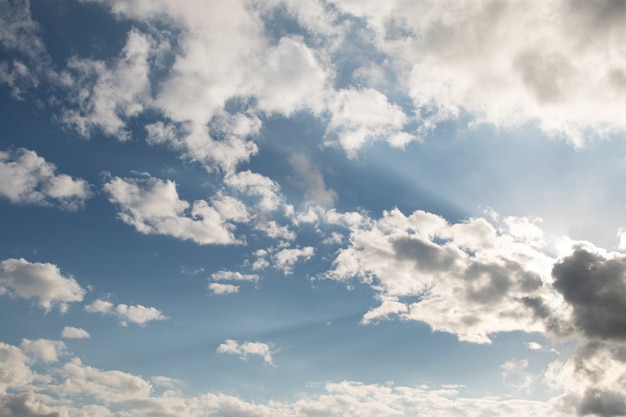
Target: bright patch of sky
[(303, 208)]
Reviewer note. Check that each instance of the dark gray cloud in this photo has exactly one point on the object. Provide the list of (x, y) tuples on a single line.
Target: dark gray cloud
[(427, 256), (595, 286), (603, 403), (20, 406), (555, 324)]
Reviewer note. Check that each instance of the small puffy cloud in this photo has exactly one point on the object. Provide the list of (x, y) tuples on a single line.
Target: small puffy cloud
[(69, 332), (534, 346), (246, 349), (152, 206), (290, 79), (43, 350), (257, 185), (285, 259), (222, 289), (136, 314), (234, 276), (28, 178), (274, 230), (363, 116), (40, 281), (312, 180)]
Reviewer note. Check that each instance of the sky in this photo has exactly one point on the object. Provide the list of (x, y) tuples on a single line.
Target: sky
[(311, 208)]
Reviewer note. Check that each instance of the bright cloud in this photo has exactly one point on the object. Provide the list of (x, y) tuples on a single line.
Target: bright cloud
[(136, 314), (362, 116), (152, 206), (70, 332), (117, 93), (30, 179), (40, 281), (222, 289), (285, 259), (233, 276), (246, 349)]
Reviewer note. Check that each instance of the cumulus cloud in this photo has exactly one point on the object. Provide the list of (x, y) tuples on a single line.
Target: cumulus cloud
[(470, 279), (40, 281), (455, 57), (152, 206), (256, 185), (30, 179), (221, 289), (15, 372), (70, 332), (285, 259), (363, 116), (136, 314), (43, 350), (246, 349)]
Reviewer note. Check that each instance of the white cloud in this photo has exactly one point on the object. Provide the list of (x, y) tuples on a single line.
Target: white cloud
[(470, 279), (43, 350), (257, 185), (290, 79), (40, 281), (234, 276), (363, 116), (69, 332), (274, 230), (152, 206), (136, 314), (285, 259), (246, 349), (107, 97), (222, 289), (468, 56), (29, 179), (14, 372)]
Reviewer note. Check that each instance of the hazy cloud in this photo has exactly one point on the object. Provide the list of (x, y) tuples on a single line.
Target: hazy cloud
[(312, 180)]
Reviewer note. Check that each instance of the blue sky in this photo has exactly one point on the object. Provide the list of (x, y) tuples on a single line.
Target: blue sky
[(304, 208)]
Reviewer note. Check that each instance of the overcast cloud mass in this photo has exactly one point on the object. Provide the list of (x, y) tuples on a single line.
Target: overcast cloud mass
[(303, 208)]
